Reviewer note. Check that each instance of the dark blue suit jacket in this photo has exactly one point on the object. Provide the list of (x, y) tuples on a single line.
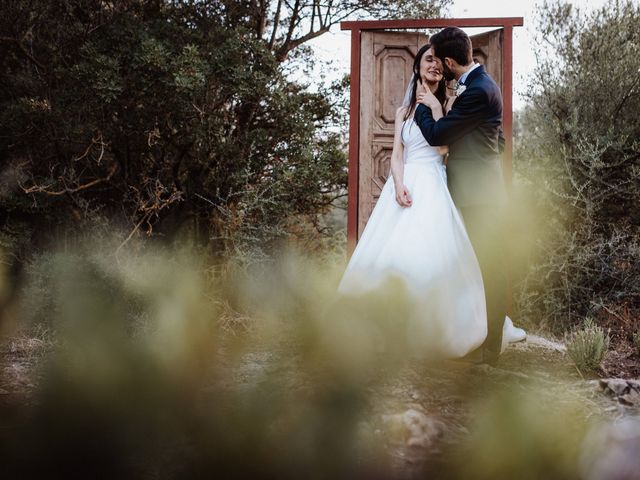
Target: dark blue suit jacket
[(473, 133)]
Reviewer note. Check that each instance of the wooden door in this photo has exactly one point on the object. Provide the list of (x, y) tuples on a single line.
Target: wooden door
[(386, 60), (487, 50)]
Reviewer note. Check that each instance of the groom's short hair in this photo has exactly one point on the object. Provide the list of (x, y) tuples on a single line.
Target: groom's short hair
[(452, 42)]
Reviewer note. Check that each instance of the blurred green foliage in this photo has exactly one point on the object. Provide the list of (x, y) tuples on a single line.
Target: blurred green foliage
[(144, 379), (515, 435)]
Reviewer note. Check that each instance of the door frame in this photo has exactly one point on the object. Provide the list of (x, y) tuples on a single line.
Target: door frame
[(356, 27)]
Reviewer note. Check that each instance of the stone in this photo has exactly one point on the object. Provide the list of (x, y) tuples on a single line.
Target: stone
[(611, 451), (413, 428), (626, 392)]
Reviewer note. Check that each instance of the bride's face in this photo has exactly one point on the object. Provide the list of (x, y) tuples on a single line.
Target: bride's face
[(430, 67)]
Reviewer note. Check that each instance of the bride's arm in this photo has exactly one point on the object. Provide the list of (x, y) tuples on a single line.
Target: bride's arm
[(397, 162)]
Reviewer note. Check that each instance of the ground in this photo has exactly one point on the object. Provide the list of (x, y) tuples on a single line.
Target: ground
[(421, 410)]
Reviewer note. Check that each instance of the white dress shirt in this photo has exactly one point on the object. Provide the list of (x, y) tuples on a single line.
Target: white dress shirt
[(464, 76)]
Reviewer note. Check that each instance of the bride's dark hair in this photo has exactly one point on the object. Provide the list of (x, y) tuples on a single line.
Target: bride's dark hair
[(441, 92)]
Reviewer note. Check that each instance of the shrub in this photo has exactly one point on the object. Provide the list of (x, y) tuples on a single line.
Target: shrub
[(587, 346), (170, 120), (577, 160)]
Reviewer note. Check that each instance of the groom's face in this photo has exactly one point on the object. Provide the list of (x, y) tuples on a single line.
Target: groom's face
[(446, 70)]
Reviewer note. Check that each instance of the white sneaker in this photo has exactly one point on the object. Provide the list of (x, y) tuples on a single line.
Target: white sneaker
[(511, 333)]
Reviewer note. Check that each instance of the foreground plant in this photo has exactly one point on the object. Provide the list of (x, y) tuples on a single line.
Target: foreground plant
[(161, 371), (587, 346)]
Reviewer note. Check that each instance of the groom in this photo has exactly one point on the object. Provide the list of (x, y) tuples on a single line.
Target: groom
[(472, 131)]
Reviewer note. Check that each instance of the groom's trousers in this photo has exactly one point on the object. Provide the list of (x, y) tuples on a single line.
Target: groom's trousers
[(485, 226)]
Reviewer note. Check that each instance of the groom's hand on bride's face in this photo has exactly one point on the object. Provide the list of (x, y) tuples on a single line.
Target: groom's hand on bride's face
[(428, 99)]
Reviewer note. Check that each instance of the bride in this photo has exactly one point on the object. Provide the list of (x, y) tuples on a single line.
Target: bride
[(416, 233)]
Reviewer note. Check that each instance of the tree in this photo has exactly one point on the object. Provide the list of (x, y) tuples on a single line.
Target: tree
[(285, 25), (578, 153), (158, 114)]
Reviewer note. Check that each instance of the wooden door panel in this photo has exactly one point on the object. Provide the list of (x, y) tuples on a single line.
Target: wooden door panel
[(386, 63), (487, 50)]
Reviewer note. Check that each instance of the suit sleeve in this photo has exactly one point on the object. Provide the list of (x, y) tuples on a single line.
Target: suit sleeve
[(467, 113)]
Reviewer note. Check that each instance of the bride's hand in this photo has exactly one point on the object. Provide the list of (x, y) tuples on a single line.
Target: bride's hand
[(403, 197)]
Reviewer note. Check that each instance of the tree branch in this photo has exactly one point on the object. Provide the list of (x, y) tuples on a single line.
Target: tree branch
[(276, 20), (261, 21), (43, 189), (24, 51), (625, 98), (286, 48)]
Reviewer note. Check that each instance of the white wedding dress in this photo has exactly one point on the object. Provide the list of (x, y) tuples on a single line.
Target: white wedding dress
[(426, 246)]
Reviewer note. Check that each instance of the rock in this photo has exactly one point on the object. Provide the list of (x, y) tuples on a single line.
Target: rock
[(627, 392), (631, 399), (612, 451), (413, 428)]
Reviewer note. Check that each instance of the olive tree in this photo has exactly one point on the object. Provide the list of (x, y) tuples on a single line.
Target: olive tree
[(578, 155)]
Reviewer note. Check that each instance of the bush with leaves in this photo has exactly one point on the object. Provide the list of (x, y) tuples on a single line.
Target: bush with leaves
[(164, 116), (577, 157)]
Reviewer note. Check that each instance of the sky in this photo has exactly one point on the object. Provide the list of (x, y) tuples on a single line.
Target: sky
[(335, 45)]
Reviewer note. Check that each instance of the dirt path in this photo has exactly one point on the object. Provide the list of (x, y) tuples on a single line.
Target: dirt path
[(419, 413), (426, 411)]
